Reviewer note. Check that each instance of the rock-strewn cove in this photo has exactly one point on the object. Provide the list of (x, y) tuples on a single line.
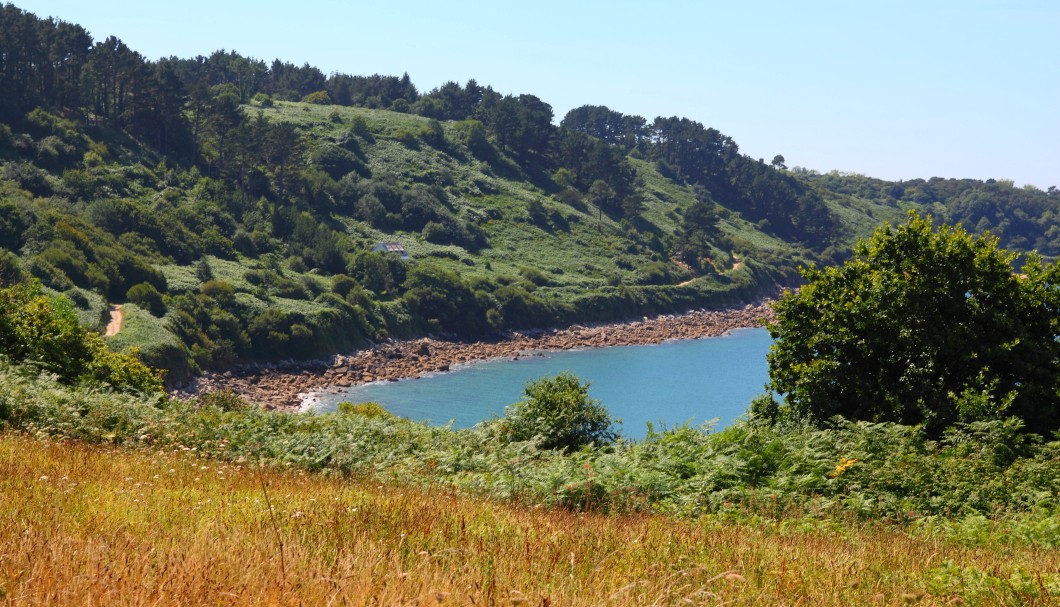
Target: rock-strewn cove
[(286, 386)]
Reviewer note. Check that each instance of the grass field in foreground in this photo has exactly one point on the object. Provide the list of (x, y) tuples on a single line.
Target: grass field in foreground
[(86, 525)]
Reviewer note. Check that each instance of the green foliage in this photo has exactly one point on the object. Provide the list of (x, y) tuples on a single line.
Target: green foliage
[(336, 161), (45, 332), (1023, 219), (369, 409), (444, 300), (275, 333), (148, 298), (973, 487), (263, 99), (10, 269), (113, 166), (557, 413), (522, 125), (922, 326), (224, 400), (203, 271)]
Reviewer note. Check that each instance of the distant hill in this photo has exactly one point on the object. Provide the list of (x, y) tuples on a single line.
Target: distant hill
[(234, 206)]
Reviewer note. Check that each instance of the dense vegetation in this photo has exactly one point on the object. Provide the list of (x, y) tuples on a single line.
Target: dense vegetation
[(1023, 219), (990, 476), (45, 333), (980, 504), (922, 326), (234, 205), (117, 526), (558, 447)]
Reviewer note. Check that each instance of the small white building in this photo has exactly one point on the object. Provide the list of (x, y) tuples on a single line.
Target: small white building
[(391, 247)]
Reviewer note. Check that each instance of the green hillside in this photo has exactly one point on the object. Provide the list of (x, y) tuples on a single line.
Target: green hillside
[(234, 206)]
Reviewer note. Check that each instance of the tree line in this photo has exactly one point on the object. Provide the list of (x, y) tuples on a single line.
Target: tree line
[(1022, 218), (190, 110)]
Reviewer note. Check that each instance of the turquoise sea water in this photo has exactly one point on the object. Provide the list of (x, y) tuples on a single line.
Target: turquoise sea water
[(668, 384)]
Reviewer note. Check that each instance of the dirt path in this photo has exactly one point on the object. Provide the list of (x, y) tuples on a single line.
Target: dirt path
[(737, 263), (117, 317)]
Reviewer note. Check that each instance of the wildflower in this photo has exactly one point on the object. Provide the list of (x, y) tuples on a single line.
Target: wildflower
[(843, 465)]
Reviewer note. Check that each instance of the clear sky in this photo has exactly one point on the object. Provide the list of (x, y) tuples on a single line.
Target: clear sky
[(895, 89)]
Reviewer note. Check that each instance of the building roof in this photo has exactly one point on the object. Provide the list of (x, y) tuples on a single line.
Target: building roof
[(392, 247)]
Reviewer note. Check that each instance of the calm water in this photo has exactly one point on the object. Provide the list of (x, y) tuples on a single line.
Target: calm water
[(672, 383)]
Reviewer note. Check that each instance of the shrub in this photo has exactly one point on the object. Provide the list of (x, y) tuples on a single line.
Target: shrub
[(220, 291), (318, 98), (369, 409), (535, 276), (335, 161), (28, 177), (203, 271), (10, 269), (342, 284), (225, 400), (148, 298), (558, 413)]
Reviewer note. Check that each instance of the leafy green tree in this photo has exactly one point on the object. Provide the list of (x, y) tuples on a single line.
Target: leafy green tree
[(148, 298), (922, 326), (112, 76), (444, 300), (378, 272), (601, 194), (522, 124), (606, 124), (203, 271), (558, 413)]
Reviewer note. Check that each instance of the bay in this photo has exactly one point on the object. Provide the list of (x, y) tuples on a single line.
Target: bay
[(668, 384)]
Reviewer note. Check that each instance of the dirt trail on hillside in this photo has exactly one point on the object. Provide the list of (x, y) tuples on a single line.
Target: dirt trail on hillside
[(737, 263), (117, 317)]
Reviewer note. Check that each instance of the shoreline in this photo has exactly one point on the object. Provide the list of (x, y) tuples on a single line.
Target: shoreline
[(287, 387)]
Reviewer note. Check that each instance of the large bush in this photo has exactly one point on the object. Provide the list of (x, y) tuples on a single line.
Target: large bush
[(923, 326), (148, 298), (558, 413)]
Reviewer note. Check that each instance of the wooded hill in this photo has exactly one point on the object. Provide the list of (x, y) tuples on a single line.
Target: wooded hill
[(233, 205)]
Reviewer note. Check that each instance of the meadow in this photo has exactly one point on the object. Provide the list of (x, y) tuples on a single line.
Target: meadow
[(113, 498), (99, 525)]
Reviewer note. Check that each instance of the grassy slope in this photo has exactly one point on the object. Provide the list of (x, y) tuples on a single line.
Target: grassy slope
[(96, 525), (585, 253), (582, 257), (576, 253)]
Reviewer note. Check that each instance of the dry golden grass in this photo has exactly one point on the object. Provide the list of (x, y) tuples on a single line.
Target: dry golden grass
[(82, 525)]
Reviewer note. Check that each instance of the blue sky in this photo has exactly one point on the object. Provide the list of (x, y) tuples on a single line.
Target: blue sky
[(894, 89)]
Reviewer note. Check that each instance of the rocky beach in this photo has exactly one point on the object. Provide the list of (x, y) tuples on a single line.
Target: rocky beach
[(287, 386)]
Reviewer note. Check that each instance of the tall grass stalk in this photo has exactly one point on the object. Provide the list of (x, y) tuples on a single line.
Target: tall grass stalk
[(99, 525)]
